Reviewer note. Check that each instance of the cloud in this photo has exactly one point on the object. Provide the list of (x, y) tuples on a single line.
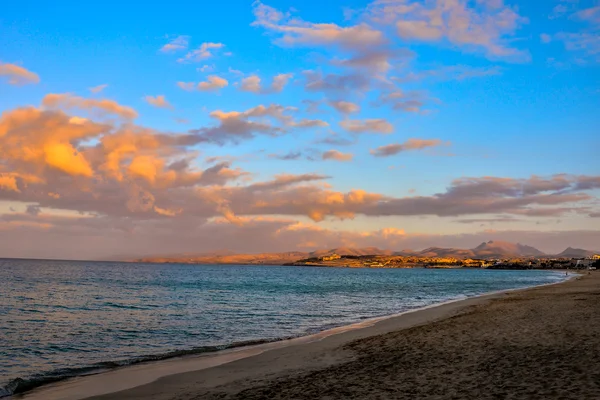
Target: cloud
[(337, 156), (585, 42), (335, 140), (176, 44), (545, 38), (205, 51), (158, 101), (18, 75), (212, 83), (410, 144), (335, 83), (98, 89), (102, 107), (374, 62), (294, 31), (590, 15), (292, 155), (312, 106), (126, 178), (345, 107), (412, 101), (206, 68), (488, 220), (55, 160), (493, 195), (308, 123), (34, 140), (471, 27), (253, 84), (561, 9), (234, 126), (188, 86), (367, 126), (279, 82), (448, 73), (365, 50), (235, 71)]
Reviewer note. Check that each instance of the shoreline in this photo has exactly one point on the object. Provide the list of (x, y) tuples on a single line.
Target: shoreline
[(144, 373)]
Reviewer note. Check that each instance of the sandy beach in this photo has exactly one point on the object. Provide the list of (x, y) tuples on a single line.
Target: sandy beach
[(537, 343)]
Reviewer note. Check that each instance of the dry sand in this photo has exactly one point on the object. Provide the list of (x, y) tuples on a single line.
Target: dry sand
[(541, 343)]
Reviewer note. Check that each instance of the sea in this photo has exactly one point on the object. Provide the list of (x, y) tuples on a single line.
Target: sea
[(60, 319)]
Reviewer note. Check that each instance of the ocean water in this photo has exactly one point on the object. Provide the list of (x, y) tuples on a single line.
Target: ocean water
[(67, 318)]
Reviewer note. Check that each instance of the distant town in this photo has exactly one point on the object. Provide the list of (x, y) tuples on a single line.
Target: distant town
[(383, 261)]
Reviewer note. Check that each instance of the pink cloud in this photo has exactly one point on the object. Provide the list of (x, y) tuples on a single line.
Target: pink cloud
[(337, 156), (410, 144), (367, 126)]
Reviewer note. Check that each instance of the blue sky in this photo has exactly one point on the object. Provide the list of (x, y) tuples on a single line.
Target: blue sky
[(487, 88)]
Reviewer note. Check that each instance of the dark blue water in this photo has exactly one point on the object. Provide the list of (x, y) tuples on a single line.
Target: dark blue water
[(63, 318)]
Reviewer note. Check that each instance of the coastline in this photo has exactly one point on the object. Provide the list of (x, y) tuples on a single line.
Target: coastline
[(138, 376)]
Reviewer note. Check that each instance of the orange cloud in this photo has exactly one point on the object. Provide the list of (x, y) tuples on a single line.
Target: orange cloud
[(65, 157), (253, 84), (213, 82), (9, 182), (102, 107), (146, 167), (166, 212), (159, 101), (40, 139), (176, 44), (18, 75)]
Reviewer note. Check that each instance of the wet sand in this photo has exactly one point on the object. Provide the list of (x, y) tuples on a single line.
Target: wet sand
[(541, 343)]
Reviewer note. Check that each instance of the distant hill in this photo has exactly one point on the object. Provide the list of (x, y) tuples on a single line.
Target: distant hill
[(260, 258), (349, 251), (570, 252), (445, 252), (491, 249), (498, 249)]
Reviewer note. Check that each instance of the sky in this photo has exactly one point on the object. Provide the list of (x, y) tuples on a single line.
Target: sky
[(280, 125)]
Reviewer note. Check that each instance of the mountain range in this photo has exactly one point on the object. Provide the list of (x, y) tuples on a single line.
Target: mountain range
[(486, 250)]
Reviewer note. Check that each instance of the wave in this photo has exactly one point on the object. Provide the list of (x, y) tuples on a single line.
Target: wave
[(20, 385)]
